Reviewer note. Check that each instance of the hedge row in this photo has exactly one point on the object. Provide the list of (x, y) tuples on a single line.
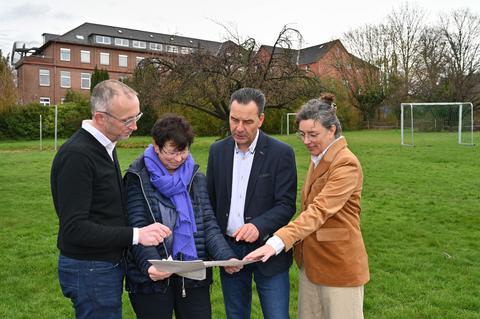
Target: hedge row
[(22, 122)]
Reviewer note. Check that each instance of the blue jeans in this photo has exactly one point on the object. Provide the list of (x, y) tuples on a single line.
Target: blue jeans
[(273, 291), (95, 287)]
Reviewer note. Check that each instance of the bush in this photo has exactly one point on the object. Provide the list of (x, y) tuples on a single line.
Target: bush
[(22, 122)]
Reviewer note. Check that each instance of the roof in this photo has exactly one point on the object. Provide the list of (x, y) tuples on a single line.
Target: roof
[(307, 55), (82, 35)]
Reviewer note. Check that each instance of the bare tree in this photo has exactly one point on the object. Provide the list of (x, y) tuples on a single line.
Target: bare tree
[(204, 80), (461, 30), (405, 27), (430, 70)]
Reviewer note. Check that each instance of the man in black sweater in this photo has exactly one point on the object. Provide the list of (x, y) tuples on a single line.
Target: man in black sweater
[(89, 199)]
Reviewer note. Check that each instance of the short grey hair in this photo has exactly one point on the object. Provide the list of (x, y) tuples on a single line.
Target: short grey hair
[(247, 95), (105, 91), (320, 112)]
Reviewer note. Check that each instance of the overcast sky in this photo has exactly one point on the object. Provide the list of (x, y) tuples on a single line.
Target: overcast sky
[(318, 21)]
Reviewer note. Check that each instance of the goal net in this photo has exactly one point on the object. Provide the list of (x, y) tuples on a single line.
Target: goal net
[(449, 121)]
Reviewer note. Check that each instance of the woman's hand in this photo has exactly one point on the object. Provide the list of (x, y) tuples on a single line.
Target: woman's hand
[(263, 253), (232, 269), (157, 275)]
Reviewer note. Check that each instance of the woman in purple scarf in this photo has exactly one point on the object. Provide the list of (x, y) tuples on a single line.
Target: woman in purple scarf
[(165, 185)]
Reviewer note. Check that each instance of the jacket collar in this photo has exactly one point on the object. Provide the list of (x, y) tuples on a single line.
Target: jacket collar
[(322, 167)]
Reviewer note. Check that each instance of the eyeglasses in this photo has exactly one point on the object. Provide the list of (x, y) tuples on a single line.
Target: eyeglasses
[(127, 122), (311, 136), (183, 154)]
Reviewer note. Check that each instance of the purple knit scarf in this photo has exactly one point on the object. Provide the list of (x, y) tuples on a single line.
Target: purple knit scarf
[(175, 187)]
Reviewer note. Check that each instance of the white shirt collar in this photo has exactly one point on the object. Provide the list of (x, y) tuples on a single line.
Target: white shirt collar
[(99, 136), (252, 146), (318, 158)]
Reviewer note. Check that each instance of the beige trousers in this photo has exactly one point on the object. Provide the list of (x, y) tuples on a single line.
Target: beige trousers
[(324, 302)]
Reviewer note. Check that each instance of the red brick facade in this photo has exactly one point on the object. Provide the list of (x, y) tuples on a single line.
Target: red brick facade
[(28, 70)]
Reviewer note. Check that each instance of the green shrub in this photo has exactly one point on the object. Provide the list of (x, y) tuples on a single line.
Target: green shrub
[(23, 122)]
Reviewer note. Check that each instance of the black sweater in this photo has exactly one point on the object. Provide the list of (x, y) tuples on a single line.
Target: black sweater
[(89, 199)]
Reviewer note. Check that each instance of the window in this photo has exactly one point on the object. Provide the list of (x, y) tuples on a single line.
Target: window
[(79, 37), (139, 44), (185, 50), (85, 81), (123, 60), (85, 56), (104, 58), (102, 39), (156, 46), (65, 79), (45, 101), (172, 49), (64, 54), (121, 42), (44, 76), (138, 59)]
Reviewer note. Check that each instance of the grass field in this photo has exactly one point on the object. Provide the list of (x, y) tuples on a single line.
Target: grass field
[(420, 221)]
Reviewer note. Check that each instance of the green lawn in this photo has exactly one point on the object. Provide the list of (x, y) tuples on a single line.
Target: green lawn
[(420, 219)]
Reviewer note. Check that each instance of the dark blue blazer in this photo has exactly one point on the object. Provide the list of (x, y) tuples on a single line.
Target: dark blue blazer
[(271, 191)]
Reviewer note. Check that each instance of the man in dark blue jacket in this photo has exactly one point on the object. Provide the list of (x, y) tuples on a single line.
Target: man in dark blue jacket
[(252, 184)]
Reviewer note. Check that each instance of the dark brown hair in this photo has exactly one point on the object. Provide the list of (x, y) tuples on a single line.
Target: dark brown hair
[(175, 128)]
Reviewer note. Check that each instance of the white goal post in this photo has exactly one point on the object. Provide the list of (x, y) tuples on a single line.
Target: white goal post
[(411, 107), (287, 116)]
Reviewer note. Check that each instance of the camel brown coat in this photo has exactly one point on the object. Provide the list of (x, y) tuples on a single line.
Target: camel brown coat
[(326, 235)]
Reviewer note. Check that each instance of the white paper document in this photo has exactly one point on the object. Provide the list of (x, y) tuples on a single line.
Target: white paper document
[(194, 269)]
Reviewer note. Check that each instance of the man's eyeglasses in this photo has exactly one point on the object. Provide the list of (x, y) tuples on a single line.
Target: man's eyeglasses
[(127, 122), (183, 154)]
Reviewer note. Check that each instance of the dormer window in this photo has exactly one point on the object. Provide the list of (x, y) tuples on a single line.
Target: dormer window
[(103, 39), (121, 42)]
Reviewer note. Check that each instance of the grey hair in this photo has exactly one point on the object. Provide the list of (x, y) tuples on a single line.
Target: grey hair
[(247, 95), (320, 112), (105, 91)]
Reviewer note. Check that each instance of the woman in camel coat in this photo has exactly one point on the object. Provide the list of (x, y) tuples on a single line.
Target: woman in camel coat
[(326, 236)]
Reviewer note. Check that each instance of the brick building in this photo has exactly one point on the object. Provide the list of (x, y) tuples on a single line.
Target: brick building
[(67, 61), (327, 61)]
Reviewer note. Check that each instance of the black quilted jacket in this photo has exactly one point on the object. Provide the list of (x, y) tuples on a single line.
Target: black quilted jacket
[(146, 205)]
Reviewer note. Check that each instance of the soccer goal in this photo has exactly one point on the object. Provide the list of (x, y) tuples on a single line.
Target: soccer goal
[(287, 119), (447, 117)]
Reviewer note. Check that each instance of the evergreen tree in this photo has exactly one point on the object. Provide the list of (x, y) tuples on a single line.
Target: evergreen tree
[(98, 76)]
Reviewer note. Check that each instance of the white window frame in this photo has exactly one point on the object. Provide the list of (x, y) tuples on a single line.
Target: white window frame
[(172, 49), (139, 44), (46, 74), (65, 75), (85, 77), (103, 39), (123, 58), (44, 100), (84, 56), (121, 42), (185, 50), (65, 54), (156, 46), (103, 56)]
